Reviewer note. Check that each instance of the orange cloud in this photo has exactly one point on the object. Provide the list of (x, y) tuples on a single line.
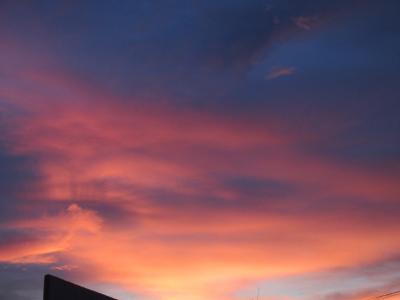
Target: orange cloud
[(183, 233), (280, 72), (52, 235)]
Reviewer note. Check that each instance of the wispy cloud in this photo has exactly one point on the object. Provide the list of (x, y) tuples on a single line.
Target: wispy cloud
[(305, 23), (179, 200), (168, 170), (280, 72)]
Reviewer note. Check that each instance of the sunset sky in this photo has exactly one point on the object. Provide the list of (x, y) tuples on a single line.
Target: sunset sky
[(201, 149)]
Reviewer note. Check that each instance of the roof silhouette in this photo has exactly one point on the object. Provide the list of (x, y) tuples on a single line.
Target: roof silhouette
[(58, 289)]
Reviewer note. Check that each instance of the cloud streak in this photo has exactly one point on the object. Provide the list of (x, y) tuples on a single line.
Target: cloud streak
[(172, 199), (167, 170), (280, 72)]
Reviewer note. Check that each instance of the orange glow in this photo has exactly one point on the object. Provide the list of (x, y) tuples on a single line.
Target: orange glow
[(98, 150)]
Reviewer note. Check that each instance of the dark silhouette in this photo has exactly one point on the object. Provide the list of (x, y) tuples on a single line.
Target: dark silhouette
[(59, 289)]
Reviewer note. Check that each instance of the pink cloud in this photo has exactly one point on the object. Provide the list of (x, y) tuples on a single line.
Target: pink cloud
[(279, 72), (305, 23), (92, 147)]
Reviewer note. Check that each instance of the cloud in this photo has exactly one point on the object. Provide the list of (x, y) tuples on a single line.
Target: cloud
[(232, 201), (366, 294), (182, 203), (383, 276), (48, 235), (215, 36), (305, 23), (280, 72), (243, 32)]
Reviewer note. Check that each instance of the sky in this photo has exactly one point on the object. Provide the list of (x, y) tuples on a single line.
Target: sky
[(201, 149)]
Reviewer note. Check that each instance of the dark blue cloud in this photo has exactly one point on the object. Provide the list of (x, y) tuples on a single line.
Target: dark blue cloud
[(170, 48)]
